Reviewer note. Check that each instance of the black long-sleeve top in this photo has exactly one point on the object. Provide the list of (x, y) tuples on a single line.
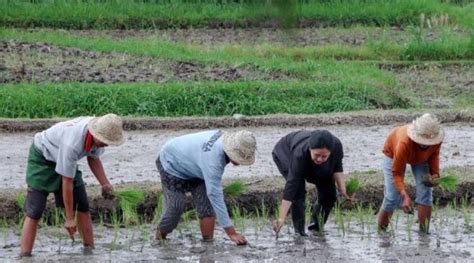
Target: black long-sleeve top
[(294, 155)]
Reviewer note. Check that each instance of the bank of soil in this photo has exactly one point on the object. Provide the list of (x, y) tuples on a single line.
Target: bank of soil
[(304, 37), (42, 62), (356, 118)]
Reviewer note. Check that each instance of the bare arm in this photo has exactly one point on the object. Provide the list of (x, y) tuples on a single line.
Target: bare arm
[(68, 199), (341, 185), (284, 208), (99, 173), (98, 170)]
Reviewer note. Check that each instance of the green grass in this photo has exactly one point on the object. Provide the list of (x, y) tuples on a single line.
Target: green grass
[(191, 99), (293, 60), (124, 14)]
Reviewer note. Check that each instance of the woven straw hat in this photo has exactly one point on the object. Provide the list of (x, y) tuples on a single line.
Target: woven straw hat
[(426, 130), (240, 146), (107, 129)]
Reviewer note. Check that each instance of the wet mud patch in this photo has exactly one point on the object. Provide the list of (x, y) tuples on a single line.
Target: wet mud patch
[(42, 62), (303, 37), (435, 85)]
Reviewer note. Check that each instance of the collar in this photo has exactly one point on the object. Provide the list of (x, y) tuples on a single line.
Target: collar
[(89, 142)]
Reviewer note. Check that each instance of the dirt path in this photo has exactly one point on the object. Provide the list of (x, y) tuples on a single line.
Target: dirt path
[(134, 161)]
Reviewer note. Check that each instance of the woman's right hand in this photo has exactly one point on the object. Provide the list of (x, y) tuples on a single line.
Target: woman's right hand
[(278, 224)]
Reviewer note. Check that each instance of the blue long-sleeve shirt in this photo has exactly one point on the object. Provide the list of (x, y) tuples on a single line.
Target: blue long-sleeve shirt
[(199, 155)]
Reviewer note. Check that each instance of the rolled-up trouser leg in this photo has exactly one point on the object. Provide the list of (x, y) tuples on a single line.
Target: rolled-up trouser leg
[(174, 207)]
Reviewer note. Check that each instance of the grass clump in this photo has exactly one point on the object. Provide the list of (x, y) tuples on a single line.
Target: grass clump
[(352, 185), (235, 189), (129, 199), (448, 183)]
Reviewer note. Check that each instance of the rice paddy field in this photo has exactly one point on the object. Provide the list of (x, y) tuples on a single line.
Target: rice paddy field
[(171, 67)]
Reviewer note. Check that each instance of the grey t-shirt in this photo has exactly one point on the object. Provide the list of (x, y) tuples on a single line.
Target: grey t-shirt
[(63, 143)]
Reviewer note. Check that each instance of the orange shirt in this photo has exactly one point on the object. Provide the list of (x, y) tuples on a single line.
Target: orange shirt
[(403, 151)]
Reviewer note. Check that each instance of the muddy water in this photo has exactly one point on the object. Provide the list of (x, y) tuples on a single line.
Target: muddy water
[(449, 240), (135, 160)]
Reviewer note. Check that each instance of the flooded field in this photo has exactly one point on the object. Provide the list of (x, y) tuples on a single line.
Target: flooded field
[(348, 236)]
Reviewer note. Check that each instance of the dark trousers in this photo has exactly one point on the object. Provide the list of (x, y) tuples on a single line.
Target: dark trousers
[(322, 205)]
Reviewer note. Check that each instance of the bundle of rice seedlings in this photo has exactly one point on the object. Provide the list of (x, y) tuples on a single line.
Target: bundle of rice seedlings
[(447, 183), (128, 201), (235, 189), (352, 185), (20, 200)]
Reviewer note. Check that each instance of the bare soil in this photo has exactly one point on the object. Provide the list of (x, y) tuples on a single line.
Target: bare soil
[(42, 62), (303, 37), (435, 85)]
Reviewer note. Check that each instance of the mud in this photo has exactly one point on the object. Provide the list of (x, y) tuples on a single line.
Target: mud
[(436, 86), (134, 161), (304, 37), (42, 62), (449, 240), (357, 118)]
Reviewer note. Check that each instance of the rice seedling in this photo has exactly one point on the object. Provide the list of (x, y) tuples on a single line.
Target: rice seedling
[(128, 201), (187, 216), (20, 200), (466, 212), (339, 219), (5, 229), (360, 214), (58, 217), (447, 183), (352, 185), (101, 219), (113, 245), (348, 219), (370, 219), (130, 241), (410, 219), (158, 209), (239, 220), (144, 236), (234, 189)]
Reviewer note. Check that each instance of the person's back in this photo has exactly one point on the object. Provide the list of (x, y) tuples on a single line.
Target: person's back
[(186, 156)]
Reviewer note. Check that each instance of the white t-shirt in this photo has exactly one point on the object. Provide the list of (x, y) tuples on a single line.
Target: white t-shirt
[(64, 143)]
